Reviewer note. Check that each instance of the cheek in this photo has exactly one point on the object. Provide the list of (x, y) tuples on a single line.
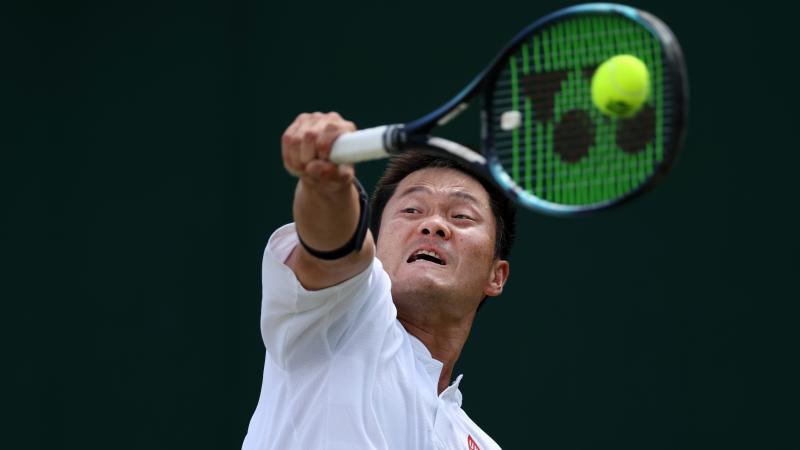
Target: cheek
[(389, 242), (478, 249)]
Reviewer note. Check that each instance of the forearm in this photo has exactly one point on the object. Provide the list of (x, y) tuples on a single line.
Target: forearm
[(325, 218), (326, 204)]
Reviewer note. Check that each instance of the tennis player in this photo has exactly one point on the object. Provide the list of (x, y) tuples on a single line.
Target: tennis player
[(362, 328)]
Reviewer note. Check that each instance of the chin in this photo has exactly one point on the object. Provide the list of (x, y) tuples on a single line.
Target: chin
[(419, 284)]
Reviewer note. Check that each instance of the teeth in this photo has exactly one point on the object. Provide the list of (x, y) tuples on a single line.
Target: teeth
[(429, 253), (416, 256)]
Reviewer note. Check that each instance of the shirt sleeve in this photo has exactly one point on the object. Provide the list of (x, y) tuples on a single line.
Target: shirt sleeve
[(301, 327)]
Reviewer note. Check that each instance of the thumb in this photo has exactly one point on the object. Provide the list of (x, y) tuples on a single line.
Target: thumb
[(329, 176)]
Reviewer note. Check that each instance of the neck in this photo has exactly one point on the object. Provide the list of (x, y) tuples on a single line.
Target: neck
[(444, 341)]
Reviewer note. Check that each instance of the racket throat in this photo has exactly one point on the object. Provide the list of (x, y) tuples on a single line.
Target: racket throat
[(441, 145), (452, 114)]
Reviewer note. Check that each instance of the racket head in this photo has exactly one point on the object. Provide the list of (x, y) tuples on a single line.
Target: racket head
[(565, 157)]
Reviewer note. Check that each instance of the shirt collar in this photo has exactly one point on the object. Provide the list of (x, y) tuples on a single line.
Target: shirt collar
[(452, 393)]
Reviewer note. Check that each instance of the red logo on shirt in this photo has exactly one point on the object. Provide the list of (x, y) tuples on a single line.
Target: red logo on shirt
[(472, 444)]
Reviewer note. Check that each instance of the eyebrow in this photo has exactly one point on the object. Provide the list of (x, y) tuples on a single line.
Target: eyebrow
[(460, 194)]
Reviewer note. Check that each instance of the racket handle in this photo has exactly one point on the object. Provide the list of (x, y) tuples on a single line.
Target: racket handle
[(362, 145)]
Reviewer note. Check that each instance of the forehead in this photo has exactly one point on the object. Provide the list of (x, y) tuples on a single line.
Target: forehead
[(444, 181)]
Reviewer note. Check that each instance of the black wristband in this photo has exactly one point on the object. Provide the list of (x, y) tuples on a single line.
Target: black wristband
[(357, 241)]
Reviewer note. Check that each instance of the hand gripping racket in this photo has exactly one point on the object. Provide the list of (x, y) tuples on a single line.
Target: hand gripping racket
[(543, 140)]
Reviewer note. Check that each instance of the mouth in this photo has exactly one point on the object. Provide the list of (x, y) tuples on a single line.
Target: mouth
[(426, 255)]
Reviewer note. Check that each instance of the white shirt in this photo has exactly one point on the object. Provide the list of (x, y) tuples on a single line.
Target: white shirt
[(341, 373)]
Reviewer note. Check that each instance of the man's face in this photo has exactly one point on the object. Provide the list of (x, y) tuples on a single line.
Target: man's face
[(437, 238)]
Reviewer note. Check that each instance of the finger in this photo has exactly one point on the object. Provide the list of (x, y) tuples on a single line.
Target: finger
[(308, 147), (297, 122), (291, 135), (346, 173), (327, 136), (292, 169), (290, 145), (336, 176), (329, 176), (319, 171), (307, 151), (331, 132), (350, 126), (291, 156), (336, 117)]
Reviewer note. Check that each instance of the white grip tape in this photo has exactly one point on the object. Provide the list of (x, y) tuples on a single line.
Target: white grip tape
[(362, 145)]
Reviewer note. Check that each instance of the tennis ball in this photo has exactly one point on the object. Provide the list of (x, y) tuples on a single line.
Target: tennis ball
[(620, 86)]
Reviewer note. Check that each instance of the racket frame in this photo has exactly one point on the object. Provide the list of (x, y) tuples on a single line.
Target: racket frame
[(381, 142), (673, 61)]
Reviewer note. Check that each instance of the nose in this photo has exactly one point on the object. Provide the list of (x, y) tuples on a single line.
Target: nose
[(434, 225)]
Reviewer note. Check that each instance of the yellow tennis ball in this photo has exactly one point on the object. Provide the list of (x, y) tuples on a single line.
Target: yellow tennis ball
[(621, 86)]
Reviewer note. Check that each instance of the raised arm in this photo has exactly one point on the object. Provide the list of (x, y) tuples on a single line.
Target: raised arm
[(326, 207)]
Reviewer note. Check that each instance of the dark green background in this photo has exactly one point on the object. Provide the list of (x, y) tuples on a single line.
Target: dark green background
[(141, 179)]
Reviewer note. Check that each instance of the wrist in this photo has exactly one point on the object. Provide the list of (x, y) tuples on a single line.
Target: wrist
[(357, 240)]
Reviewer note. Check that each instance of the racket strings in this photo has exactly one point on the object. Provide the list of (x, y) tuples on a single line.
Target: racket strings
[(605, 157), (564, 150)]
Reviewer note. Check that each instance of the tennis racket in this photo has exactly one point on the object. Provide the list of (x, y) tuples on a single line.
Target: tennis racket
[(543, 141)]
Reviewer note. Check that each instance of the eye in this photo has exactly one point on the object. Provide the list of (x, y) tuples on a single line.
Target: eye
[(462, 217), (410, 210)]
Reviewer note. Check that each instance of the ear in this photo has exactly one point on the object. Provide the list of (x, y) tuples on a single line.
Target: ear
[(497, 278)]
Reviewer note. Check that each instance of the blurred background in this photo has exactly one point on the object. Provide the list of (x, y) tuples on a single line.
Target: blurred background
[(141, 179)]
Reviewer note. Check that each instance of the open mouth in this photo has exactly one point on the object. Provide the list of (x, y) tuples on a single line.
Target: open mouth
[(426, 255)]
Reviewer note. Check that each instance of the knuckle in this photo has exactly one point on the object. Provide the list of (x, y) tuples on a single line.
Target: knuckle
[(290, 140), (291, 168)]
